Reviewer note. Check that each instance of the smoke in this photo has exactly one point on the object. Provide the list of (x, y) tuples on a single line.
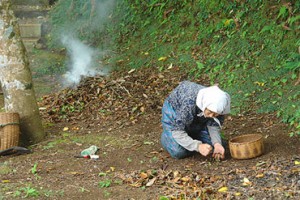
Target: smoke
[(83, 59)]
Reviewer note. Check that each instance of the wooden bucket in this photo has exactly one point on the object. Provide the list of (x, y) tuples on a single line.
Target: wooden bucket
[(246, 146), (9, 130)]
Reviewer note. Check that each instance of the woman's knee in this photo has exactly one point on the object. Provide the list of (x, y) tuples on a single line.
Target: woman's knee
[(172, 147), (179, 154), (175, 150)]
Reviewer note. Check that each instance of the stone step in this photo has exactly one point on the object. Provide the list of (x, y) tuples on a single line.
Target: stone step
[(30, 43), (30, 30), (27, 11)]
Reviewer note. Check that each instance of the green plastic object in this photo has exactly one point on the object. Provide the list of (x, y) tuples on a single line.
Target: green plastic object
[(89, 151)]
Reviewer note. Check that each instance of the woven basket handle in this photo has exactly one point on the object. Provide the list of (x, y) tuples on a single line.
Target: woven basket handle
[(11, 123)]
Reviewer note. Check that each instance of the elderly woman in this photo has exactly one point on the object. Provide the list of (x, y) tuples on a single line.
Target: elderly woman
[(192, 116)]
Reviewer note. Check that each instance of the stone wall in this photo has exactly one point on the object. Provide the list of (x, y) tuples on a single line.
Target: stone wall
[(31, 2), (32, 18)]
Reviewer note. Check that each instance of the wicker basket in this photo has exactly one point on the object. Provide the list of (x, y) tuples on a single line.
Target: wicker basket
[(246, 146), (9, 130)]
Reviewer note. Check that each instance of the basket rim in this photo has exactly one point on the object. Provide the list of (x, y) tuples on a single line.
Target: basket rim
[(241, 136), (3, 113)]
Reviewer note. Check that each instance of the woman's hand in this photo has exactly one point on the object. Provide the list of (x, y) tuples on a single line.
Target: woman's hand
[(219, 151), (204, 149)]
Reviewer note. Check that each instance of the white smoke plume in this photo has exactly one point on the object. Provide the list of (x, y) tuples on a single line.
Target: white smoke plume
[(81, 61), (84, 59)]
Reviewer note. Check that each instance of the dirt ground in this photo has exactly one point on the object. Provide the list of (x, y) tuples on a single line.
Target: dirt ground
[(132, 163)]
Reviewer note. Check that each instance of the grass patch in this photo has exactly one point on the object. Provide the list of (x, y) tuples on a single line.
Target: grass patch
[(249, 48), (86, 140), (100, 140), (47, 63)]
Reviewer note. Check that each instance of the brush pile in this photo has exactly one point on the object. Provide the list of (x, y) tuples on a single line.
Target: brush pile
[(121, 97)]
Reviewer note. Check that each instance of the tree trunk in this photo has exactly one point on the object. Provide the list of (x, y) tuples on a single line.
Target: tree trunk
[(15, 78)]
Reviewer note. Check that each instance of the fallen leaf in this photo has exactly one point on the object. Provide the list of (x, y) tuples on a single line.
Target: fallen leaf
[(151, 182), (136, 184), (175, 180), (160, 76), (76, 173), (5, 181), (163, 58), (102, 174), (76, 128), (65, 129), (112, 169), (237, 194), (259, 83), (260, 163), (185, 179), (296, 170), (246, 182), (175, 174), (144, 175), (148, 143), (132, 70), (223, 189), (259, 175), (297, 162), (286, 27)]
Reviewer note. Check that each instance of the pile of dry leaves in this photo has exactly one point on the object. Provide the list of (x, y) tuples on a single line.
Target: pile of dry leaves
[(117, 97)]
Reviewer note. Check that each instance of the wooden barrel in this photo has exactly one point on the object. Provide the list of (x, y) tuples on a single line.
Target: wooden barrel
[(9, 130), (246, 146)]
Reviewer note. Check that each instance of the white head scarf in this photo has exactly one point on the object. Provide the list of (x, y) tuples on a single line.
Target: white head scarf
[(214, 99)]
